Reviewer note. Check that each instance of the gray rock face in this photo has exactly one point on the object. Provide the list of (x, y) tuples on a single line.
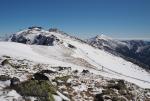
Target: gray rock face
[(20, 39), (34, 35), (44, 40)]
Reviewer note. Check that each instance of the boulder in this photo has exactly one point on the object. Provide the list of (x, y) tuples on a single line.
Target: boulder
[(4, 62), (71, 46), (14, 81), (85, 71), (40, 76)]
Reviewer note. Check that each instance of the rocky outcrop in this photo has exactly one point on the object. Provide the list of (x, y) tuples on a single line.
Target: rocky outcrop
[(38, 39), (35, 35), (45, 40)]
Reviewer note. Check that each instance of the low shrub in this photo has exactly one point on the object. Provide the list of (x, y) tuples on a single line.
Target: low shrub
[(41, 89)]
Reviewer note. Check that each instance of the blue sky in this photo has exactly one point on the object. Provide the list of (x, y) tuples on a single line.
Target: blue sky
[(82, 18)]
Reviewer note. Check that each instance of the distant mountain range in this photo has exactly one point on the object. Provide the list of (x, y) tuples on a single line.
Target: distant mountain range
[(136, 51)]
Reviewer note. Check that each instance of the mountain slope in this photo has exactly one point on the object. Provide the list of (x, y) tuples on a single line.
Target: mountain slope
[(136, 51), (79, 56), (102, 41), (66, 84), (52, 66)]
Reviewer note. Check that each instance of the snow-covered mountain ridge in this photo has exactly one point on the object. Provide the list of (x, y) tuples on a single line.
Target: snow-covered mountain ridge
[(54, 49), (93, 56), (137, 51), (102, 41)]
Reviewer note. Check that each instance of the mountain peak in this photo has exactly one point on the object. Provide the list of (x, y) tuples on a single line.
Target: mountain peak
[(103, 41), (36, 35), (35, 27), (102, 36)]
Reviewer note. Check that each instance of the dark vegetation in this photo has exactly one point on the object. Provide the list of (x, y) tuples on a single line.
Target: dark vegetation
[(42, 89), (39, 86)]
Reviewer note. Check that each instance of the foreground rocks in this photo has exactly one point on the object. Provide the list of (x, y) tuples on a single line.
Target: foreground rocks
[(42, 82)]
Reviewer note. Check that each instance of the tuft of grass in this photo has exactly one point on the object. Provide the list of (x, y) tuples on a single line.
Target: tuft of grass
[(63, 78), (41, 89)]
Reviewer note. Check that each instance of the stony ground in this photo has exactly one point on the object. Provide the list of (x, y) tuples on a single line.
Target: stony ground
[(23, 80)]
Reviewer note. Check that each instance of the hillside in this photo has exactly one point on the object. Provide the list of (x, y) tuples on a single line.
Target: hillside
[(136, 51), (70, 64)]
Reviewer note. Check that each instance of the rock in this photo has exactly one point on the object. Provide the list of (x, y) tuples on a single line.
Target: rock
[(40, 76), (85, 71), (45, 40), (75, 71), (35, 28), (107, 97), (71, 46), (14, 81), (98, 97), (38, 39), (47, 71), (4, 62), (59, 68), (53, 30), (19, 39), (4, 78)]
